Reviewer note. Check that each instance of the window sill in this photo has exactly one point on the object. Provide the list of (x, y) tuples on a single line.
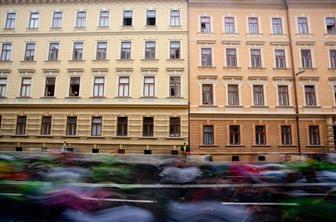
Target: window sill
[(97, 97), (311, 107), (17, 135), (80, 28), (126, 26), (73, 97), (23, 97), (207, 67), (52, 61), (48, 97), (45, 136), (6, 61), (95, 137), (205, 33), (230, 33), (100, 60), (330, 34), (254, 34), (28, 61), (69, 136), (8, 29), (289, 145), (261, 106), (121, 137), (103, 27), (281, 69), (175, 138), (149, 60), (307, 69), (285, 107), (175, 26), (31, 29), (148, 97), (304, 34), (175, 60), (147, 137), (75, 60), (278, 35), (150, 26), (3, 97), (231, 67), (265, 146), (234, 146), (125, 60), (208, 145), (209, 106), (332, 69), (122, 97), (257, 68), (317, 146), (175, 97), (55, 28), (234, 106)]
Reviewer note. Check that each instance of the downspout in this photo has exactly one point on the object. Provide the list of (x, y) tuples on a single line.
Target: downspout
[(297, 111)]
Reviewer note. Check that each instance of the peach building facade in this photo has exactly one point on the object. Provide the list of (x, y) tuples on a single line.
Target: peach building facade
[(104, 76), (255, 83)]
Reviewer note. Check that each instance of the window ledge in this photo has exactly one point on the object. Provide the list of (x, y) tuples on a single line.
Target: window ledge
[(147, 137), (69, 136), (175, 138), (207, 67), (52, 61), (8, 29), (230, 33), (289, 145), (332, 69), (235, 146), (17, 135), (103, 27), (73, 60), (265, 146), (148, 97), (73, 97), (318, 146), (3, 97), (121, 137), (311, 107), (281, 69), (44, 136), (127, 26), (331, 34), (149, 60), (28, 61), (256, 68), (23, 97), (97, 97), (48, 97), (285, 107), (151, 26), (304, 34), (278, 35), (175, 60), (100, 60), (32, 29), (80, 28), (122, 97), (231, 67), (95, 137), (254, 34), (175, 97), (205, 33), (234, 106), (210, 106), (307, 69), (125, 60), (56, 28), (208, 145), (261, 106), (6, 61)]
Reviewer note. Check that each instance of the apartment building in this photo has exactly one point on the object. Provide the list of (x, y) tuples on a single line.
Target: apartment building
[(262, 78), (103, 76)]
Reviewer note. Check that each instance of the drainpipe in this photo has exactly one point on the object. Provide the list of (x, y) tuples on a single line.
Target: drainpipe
[(297, 111), (188, 73)]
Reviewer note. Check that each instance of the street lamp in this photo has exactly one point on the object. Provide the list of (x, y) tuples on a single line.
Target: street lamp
[(298, 73)]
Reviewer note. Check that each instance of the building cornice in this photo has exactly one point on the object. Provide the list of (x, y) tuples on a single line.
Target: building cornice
[(84, 1)]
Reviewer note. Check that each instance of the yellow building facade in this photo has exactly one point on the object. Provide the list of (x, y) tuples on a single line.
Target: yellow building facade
[(260, 75), (103, 76)]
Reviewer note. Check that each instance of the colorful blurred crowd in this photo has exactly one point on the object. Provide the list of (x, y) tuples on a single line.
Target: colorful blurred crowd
[(102, 188)]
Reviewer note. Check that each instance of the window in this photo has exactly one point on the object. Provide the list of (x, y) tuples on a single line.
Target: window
[(33, 20), (205, 24), (175, 50), (302, 25), (10, 20), (175, 18), (206, 56), (277, 26), (258, 95), (124, 82), (256, 58), (207, 94), (53, 51), (30, 52), (260, 133), (122, 123), (81, 20), (231, 57), (98, 86), (3, 87), (174, 126), (286, 135), (234, 135), (151, 17), (57, 19), (208, 135), (306, 58), (101, 51), (46, 125), (310, 95), (127, 18), (96, 128), (331, 25), (314, 135), (149, 86), (125, 50), (21, 124), (71, 126), (283, 95), (77, 51), (333, 58), (6, 51), (174, 86), (50, 86), (25, 87), (74, 86), (104, 18), (229, 25), (280, 59), (253, 25), (148, 126), (233, 95), (149, 50)]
